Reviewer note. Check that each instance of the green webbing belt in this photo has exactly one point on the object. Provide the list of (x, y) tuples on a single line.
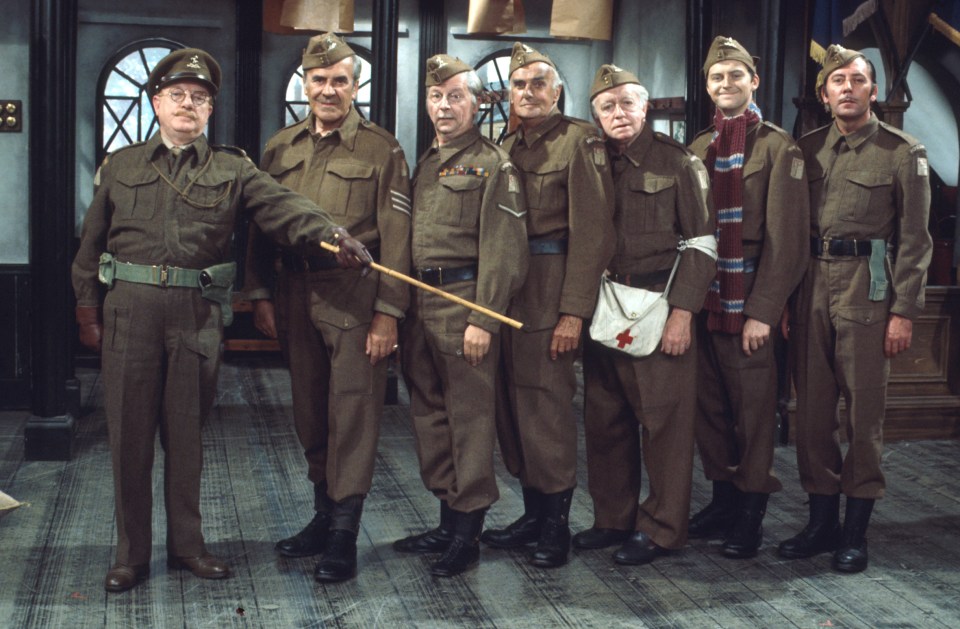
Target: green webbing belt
[(878, 271), (156, 275)]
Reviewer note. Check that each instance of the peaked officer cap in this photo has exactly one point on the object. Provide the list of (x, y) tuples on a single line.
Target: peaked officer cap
[(185, 64)]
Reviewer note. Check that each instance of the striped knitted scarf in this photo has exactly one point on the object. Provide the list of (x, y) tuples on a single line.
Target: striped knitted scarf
[(725, 299)]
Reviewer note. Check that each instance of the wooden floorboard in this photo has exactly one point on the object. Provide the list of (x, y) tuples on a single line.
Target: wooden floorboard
[(56, 551)]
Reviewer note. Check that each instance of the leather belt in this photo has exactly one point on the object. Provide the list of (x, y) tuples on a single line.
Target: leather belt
[(641, 280), (440, 276), (839, 247), (544, 247), (300, 264)]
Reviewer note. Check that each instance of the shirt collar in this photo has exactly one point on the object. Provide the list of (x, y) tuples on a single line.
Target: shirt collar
[(453, 148), (637, 149), (855, 139), (346, 132), (531, 137)]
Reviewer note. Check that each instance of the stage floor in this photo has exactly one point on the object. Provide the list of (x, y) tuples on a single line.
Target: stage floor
[(57, 549)]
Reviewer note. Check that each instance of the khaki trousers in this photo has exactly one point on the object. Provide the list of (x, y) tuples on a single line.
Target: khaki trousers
[(160, 362), (640, 409)]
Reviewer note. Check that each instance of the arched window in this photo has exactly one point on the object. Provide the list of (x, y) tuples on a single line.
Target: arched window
[(494, 116), (124, 111), (295, 105)]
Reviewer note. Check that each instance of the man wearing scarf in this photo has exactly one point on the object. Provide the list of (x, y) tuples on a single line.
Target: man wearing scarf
[(761, 200), (864, 286)]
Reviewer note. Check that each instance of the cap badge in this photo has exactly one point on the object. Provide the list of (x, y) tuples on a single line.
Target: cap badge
[(194, 62)]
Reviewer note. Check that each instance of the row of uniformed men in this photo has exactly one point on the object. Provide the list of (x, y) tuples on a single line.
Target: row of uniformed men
[(528, 228)]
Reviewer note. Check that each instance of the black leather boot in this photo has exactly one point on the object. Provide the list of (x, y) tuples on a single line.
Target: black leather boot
[(637, 550), (554, 543), (339, 561), (464, 550), (744, 538), (595, 538), (433, 541), (716, 518), (313, 538), (851, 556), (523, 531), (822, 533)]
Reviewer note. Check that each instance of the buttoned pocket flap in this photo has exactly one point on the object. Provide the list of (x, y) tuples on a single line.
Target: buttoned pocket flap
[(134, 178), (870, 178), (864, 315), (461, 183), (286, 163), (350, 170), (652, 184)]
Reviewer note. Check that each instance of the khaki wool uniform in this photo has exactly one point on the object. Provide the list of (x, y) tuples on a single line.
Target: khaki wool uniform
[(161, 345), (737, 394), (468, 209), (359, 174), (662, 196), (871, 184), (569, 193)]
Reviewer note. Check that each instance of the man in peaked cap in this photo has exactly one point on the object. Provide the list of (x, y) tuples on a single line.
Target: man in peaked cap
[(642, 409), (156, 239), (760, 195), (864, 286), (336, 326), (469, 238), (566, 177)]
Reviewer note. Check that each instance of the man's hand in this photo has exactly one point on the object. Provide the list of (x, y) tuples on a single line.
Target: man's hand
[(566, 335), (264, 317), (898, 336), (382, 337), (90, 321), (352, 254), (476, 344), (755, 334), (785, 323), (676, 333)]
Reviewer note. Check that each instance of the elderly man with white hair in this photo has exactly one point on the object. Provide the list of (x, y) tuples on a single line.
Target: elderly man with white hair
[(645, 406)]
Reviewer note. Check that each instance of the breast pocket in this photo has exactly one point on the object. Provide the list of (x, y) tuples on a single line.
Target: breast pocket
[(350, 186), (460, 203), (210, 197), (287, 170), (651, 206), (863, 190), (135, 194), (545, 186)]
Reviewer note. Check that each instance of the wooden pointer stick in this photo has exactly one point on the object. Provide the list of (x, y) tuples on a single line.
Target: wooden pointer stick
[(436, 291)]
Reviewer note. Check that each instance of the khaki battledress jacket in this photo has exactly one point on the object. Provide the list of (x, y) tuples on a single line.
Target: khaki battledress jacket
[(359, 174), (872, 184), (566, 176), (468, 211), (736, 393)]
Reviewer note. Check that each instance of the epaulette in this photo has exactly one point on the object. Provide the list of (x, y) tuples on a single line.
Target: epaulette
[(122, 148), (708, 131), (666, 139), (226, 148), (584, 124), (380, 131), (903, 135), (822, 129), (778, 130)]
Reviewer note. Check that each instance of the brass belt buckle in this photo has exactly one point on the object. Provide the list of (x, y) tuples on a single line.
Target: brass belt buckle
[(164, 275), (824, 245), (440, 276)]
